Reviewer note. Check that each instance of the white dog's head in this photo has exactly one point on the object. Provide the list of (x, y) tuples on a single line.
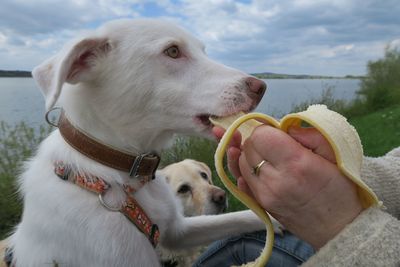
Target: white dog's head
[(191, 182), (134, 83)]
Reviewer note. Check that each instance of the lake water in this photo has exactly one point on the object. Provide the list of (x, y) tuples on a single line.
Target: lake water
[(20, 99)]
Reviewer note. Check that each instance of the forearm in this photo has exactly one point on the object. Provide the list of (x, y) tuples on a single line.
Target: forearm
[(372, 239)]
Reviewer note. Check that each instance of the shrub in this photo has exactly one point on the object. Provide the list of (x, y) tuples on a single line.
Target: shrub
[(17, 143), (378, 90), (190, 147), (325, 98), (381, 87)]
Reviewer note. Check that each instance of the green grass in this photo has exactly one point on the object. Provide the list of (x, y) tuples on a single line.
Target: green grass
[(10, 204), (17, 143), (379, 131)]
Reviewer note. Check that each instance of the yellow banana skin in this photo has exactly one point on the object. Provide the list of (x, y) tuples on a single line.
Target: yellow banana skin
[(334, 127)]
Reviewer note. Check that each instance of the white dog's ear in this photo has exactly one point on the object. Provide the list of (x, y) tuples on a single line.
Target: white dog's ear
[(72, 65)]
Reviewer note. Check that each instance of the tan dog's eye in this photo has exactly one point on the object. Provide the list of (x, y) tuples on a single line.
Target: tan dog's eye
[(173, 52), (184, 189), (204, 175)]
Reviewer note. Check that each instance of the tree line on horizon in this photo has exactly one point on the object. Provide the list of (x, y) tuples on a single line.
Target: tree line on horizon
[(15, 73), (263, 75)]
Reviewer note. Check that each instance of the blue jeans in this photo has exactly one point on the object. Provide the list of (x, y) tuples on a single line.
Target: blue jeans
[(288, 251)]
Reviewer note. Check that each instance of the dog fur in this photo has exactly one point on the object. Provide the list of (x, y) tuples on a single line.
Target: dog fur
[(120, 85), (3, 245), (191, 182)]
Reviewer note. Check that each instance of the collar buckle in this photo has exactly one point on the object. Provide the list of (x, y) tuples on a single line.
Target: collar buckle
[(134, 171)]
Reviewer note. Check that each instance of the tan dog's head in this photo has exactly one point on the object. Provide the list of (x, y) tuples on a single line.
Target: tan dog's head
[(191, 182)]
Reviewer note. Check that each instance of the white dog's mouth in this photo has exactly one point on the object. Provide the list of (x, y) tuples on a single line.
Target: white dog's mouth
[(204, 119)]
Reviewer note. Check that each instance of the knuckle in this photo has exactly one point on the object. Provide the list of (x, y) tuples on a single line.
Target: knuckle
[(298, 163), (266, 136)]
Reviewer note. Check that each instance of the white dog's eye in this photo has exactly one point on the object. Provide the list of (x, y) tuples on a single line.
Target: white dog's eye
[(184, 189), (172, 51)]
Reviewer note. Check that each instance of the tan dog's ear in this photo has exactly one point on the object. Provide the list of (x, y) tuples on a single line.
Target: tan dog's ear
[(163, 172), (204, 166), (71, 65)]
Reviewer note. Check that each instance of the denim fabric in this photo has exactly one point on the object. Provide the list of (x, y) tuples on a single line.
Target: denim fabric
[(288, 251)]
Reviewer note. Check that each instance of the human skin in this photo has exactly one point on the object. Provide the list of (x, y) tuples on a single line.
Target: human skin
[(300, 184)]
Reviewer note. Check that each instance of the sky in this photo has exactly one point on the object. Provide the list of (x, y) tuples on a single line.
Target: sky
[(318, 37)]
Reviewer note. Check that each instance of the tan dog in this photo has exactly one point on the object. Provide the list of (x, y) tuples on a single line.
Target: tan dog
[(3, 246), (191, 182)]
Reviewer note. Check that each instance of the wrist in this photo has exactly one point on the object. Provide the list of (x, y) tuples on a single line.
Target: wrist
[(322, 224), (318, 236)]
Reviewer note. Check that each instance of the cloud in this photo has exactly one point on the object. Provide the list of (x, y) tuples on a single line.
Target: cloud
[(3, 38), (300, 36), (393, 44), (46, 16), (254, 36)]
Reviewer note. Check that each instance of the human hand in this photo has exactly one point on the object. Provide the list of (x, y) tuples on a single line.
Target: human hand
[(299, 184)]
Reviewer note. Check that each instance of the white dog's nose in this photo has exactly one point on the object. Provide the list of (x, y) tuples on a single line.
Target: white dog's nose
[(256, 86)]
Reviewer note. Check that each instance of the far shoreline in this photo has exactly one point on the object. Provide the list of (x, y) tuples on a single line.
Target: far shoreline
[(15, 74), (264, 75)]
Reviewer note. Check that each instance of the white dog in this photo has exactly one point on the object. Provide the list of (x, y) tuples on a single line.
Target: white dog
[(130, 85)]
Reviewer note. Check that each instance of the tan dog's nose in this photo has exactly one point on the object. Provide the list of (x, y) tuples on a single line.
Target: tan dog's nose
[(218, 196)]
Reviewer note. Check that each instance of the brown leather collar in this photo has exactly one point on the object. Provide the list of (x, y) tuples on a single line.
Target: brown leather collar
[(142, 165)]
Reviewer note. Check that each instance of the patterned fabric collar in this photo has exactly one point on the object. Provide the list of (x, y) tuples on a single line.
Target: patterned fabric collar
[(130, 208)]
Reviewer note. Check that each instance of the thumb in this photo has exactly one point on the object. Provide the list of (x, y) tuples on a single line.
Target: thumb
[(312, 139)]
